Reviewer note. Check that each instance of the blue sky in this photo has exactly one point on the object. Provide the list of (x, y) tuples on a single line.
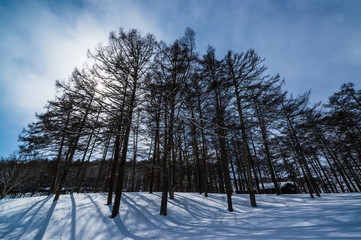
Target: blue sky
[(312, 44)]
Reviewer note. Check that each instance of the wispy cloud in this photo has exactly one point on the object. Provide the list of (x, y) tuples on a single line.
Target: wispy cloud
[(41, 44)]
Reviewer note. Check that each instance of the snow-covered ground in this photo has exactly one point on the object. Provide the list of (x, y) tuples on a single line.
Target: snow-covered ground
[(190, 216)]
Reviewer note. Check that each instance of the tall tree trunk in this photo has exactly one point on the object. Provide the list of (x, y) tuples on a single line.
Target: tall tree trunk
[(128, 125), (81, 165), (155, 153), (81, 180), (240, 167), (204, 149), (317, 171), (173, 175), (113, 170), (58, 158), (118, 143), (196, 155), (181, 165), (254, 170), (223, 150), (245, 147), (333, 190), (102, 164), (338, 165), (266, 147), (257, 164), (135, 146), (302, 158), (333, 171), (166, 161), (72, 148)]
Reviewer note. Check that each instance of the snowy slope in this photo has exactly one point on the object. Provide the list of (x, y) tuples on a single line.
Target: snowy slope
[(190, 216)]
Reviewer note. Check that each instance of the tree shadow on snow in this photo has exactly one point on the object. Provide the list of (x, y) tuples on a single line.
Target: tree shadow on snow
[(73, 217), (46, 221), (122, 228), (23, 215), (161, 219)]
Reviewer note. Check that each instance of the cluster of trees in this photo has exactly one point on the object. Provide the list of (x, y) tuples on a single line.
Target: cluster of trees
[(160, 117)]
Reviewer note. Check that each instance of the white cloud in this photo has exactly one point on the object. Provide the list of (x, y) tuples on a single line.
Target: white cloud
[(42, 46)]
